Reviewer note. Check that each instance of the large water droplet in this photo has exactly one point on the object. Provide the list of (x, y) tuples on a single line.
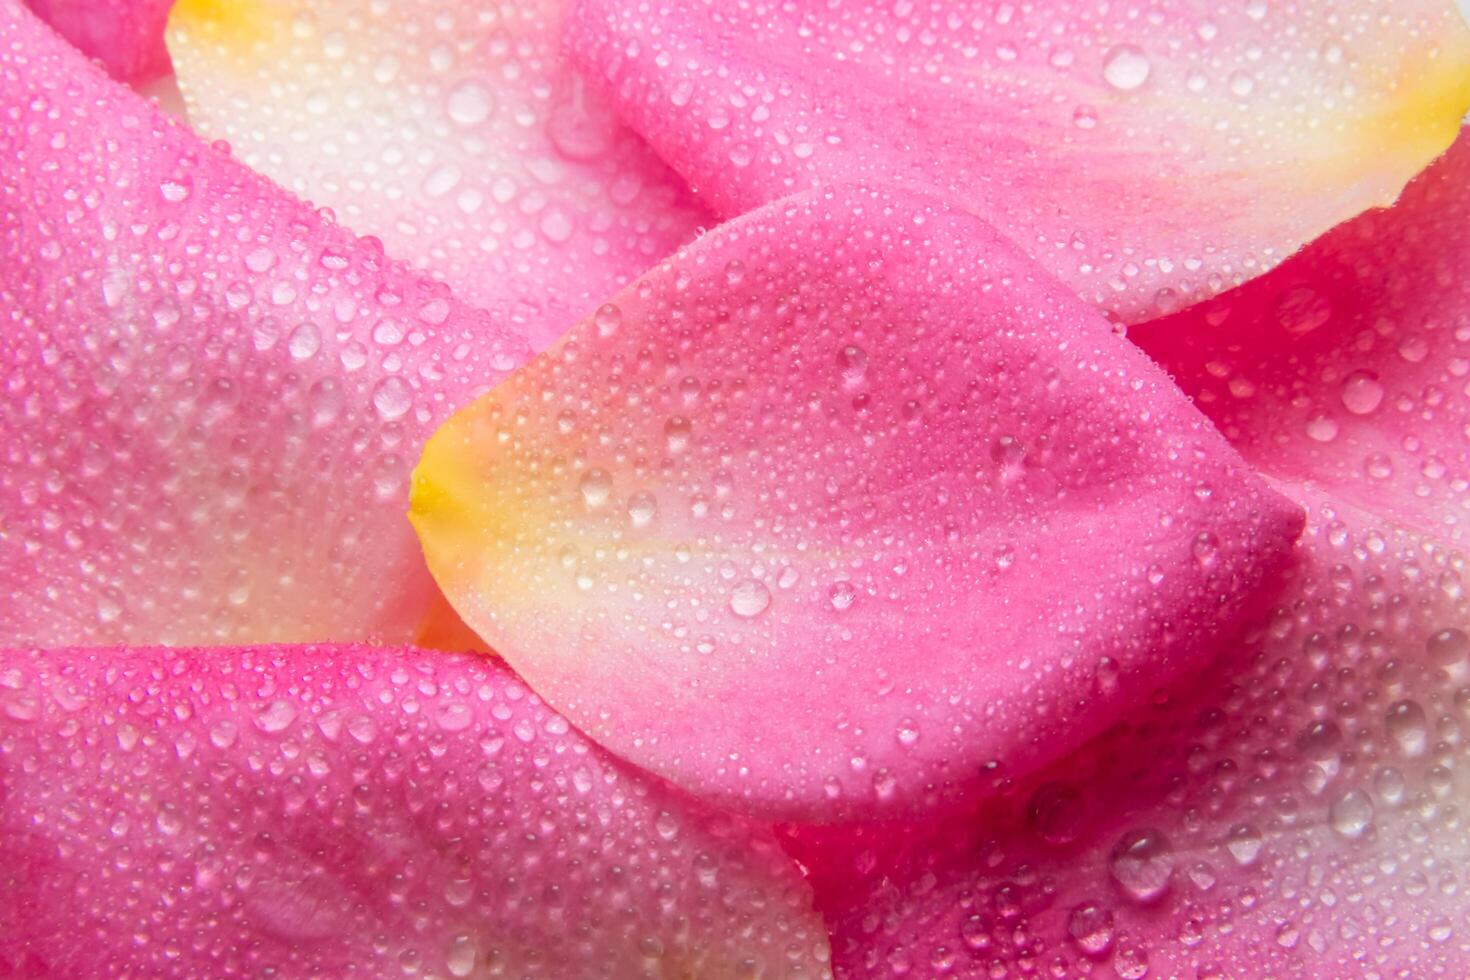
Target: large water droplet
[(1126, 67), (749, 599), (1142, 863)]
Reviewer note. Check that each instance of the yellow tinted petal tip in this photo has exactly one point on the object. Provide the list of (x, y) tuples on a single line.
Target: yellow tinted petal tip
[(237, 22)]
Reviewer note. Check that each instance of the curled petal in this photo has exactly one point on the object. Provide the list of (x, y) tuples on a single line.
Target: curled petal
[(1297, 810), (212, 394), (456, 132), (125, 35), (1145, 159), (345, 811), (842, 507)]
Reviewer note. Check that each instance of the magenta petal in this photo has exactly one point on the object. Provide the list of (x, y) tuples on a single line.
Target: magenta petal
[(213, 395), (343, 811), (1138, 151), (125, 35), (1347, 369), (847, 508), (1297, 810)]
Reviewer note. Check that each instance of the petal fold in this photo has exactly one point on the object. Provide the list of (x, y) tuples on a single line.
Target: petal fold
[(346, 811), (840, 511), (454, 131), (1147, 158), (213, 395)]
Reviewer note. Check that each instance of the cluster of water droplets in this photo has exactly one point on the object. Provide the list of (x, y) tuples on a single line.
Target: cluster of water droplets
[(1032, 114), (341, 811), (214, 394), (456, 134)]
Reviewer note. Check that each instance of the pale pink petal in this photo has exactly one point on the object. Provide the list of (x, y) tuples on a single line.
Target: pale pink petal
[(1348, 368), (840, 508), (1148, 155), (345, 811), (454, 131), (212, 395), (1297, 810), (125, 35)]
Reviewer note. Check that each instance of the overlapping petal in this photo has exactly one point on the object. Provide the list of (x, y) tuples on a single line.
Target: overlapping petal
[(125, 35), (1148, 155), (1348, 369), (1300, 810), (212, 394), (345, 811), (455, 132), (841, 508)]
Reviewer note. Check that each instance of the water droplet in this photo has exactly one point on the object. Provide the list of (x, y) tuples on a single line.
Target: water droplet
[(468, 104), (1244, 844), (460, 961), (642, 508), (1408, 727), (1352, 814), (1362, 392), (842, 595), (1090, 927), (392, 398), (1142, 864), (596, 487), (277, 716), (1126, 67), (1302, 309), (749, 599), (607, 319)]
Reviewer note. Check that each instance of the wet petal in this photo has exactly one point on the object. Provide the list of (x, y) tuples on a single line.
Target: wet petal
[(345, 811), (842, 504), (212, 395), (1298, 810), (455, 132), (125, 35), (1349, 367), (1144, 160)]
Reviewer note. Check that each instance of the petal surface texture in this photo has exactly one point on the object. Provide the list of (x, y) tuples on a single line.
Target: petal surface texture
[(840, 505), (346, 811), (125, 35), (454, 131), (212, 395), (1147, 155), (1300, 810)]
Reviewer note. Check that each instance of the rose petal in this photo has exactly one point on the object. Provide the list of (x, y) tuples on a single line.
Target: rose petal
[(1146, 159), (345, 811), (840, 505), (212, 395), (125, 35), (1311, 789), (1348, 368), (455, 132), (1298, 811)]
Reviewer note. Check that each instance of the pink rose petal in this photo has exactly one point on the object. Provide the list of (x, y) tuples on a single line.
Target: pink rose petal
[(1347, 369), (212, 394), (1302, 804), (842, 509), (343, 811), (1297, 810), (125, 35), (1147, 155), (455, 132)]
